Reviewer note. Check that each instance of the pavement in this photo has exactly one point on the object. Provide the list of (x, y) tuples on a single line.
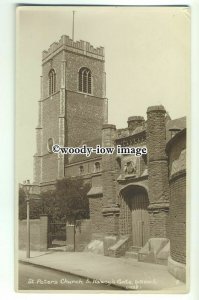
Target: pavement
[(126, 273)]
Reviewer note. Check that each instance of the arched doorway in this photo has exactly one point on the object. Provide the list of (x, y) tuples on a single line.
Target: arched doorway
[(135, 203)]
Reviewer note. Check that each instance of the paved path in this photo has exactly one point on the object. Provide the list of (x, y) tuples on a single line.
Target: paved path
[(32, 277), (123, 272)]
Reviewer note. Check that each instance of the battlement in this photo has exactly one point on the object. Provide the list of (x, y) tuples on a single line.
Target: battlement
[(80, 47)]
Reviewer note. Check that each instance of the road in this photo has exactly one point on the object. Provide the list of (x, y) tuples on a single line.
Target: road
[(38, 278)]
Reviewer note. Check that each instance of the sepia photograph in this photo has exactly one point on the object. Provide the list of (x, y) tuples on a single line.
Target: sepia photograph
[(102, 132)]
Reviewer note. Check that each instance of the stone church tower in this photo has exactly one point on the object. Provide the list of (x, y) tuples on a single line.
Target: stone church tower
[(72, 107)]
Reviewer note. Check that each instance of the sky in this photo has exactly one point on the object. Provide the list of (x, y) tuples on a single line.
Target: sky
[(147, 55)]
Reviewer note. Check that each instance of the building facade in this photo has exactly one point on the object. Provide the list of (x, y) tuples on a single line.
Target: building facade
[(137, 204)]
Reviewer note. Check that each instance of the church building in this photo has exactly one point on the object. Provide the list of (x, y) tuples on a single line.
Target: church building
[(137, 204)]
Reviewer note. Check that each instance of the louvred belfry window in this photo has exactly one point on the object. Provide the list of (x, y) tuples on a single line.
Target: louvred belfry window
[(52, 81), (85, 80)]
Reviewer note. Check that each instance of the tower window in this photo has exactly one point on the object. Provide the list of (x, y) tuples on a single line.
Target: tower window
[(50, 143), (52, 81), (85, 80)]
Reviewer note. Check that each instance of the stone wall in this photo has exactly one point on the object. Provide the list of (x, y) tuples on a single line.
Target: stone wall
[(82, 235), (34, 234)]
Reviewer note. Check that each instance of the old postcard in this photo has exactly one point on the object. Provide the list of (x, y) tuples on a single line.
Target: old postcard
[(102, 120)]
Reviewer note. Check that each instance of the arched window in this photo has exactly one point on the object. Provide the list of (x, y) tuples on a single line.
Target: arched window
[(81, 170), (85, 80), (97, 167), (52, 81), (119, 162)]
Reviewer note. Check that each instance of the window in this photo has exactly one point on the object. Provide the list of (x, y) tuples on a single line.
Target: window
[(119, 162), (97, 167), (52, 81), (85, 80), (81, 170), (50, 143)]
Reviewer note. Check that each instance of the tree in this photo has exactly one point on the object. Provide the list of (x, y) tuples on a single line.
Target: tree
[(68, 201)]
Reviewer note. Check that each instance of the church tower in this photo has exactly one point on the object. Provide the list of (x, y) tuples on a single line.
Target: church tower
[(72, 107)]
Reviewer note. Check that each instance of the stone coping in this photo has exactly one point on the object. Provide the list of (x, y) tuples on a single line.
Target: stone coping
[(109, 126), (157, 108), (135, 118)]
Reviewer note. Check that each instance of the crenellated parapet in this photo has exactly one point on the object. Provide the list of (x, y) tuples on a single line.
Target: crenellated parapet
[(79, 47)]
